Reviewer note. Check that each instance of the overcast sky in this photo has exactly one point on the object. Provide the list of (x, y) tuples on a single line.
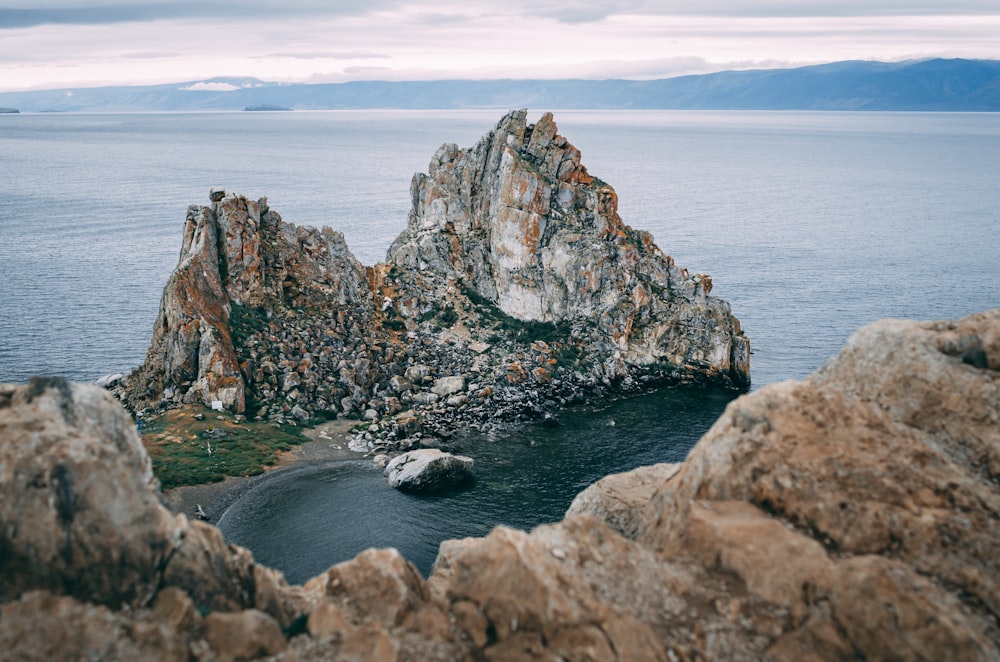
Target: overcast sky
[(75, 43)]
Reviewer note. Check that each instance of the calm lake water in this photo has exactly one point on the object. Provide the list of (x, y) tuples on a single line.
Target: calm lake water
[(811, 224)]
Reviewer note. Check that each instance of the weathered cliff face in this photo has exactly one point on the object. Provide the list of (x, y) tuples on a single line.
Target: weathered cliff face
[(515, 278), (241, 264), (518, 221), (850, 516)]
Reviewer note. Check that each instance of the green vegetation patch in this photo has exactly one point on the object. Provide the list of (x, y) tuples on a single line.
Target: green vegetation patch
[(245, 321), (194, 445)]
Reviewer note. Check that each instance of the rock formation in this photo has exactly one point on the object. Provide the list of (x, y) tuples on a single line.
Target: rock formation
[(517, 221), (514, 289), (427, 469), (240, 266), (849, 516)]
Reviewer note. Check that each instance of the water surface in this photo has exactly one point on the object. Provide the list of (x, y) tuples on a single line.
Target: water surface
[(811, 224)]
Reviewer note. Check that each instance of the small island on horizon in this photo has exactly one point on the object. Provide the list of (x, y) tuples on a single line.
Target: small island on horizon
[(266, 107), (9, 111)]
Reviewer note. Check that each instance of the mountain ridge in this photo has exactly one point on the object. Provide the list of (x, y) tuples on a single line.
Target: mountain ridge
[(915, 85)]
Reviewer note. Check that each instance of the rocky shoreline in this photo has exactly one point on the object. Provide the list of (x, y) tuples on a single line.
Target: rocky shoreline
[(514, 291), (328, 442), (852, 515)]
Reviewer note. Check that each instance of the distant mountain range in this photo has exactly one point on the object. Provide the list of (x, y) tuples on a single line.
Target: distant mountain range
[(924, 85)]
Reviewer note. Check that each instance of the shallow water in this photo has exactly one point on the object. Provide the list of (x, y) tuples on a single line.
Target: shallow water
[(305, 518)]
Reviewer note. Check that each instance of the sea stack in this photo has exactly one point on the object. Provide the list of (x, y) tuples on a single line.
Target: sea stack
[(516, 284)]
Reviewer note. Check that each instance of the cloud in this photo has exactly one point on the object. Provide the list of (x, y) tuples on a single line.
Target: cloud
[(438, 18), (149, 55), (330, 55), (14, 14), (596, 10), (77, 12), (316, 41), (210, 87)]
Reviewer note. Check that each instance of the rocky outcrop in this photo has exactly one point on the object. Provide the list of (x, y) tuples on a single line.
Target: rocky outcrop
[(852, 514), (242, 269), (515, 289), (618, 499), (517, 222), (849, 516), (82, 516), (427, 469)]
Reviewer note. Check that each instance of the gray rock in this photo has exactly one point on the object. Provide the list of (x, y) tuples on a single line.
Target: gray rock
[(110, 381), (515, 271), (417, 373), (400, 384), (426, 398), (427, 469), (552, 248), (445, 386)]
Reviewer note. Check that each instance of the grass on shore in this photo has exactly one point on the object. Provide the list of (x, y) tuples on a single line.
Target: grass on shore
[(193, 445)]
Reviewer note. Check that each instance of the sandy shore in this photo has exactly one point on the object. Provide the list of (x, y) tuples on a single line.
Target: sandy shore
[(327, 443)]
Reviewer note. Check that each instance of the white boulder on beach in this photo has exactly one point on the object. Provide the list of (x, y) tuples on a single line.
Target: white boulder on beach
[(427, 469)]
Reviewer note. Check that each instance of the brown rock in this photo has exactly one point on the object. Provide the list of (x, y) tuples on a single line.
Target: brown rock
[(619, 499), (377, 585), (80, 513), (244, 635), (175, 609), (847, 458), (48, 628), (528, 597)]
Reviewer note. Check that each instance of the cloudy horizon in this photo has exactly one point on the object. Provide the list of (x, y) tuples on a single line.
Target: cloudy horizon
[(84, 43)]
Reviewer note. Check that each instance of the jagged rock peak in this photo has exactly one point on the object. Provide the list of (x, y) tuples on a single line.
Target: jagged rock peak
[(518, 221), (238, 255), (511, 247)]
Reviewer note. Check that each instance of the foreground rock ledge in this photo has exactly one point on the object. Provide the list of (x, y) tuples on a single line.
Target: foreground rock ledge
[(853, 515), (515, 289)]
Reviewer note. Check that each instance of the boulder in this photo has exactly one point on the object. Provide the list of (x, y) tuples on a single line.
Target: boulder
[(618, 499), (427, 469), (445, 386), (81, 513), (244, 635)]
